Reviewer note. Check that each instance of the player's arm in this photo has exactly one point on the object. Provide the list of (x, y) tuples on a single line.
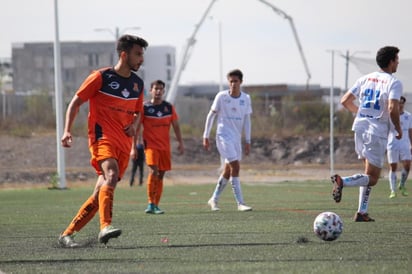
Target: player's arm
[(248, 131), (410, 138), (208, 127), (178, 134), (71, 114), (136, 140), (394, 114), (348, 102)]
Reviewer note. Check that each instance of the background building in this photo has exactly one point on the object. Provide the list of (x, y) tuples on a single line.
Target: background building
[(33, 64)]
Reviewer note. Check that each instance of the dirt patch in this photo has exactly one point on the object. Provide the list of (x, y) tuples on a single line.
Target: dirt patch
[(33, 161)]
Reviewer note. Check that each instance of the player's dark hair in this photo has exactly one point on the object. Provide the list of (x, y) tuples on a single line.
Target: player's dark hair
[(127, 41), (157, 82), (385, 55), (236, 72), (403, 99)]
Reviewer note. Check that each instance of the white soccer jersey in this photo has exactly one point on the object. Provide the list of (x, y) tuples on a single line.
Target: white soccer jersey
[(231, 114), (404, 142), (374, 91)]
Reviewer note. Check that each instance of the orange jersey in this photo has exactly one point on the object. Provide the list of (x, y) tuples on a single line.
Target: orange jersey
[(113, 101), (157, 120)]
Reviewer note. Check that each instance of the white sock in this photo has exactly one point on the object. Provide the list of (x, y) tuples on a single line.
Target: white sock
[(364, 193), (220, 186), (237, 190), (392, 180), (404, 176), (356, 180)]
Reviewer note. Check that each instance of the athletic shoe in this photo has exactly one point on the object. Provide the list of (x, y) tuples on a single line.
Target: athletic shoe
[(213, 205), (67, 241), (393, 195), (107, 233), (150, 209), (157, 210), (337, 187), (362, 217), (403, 191), (244, 208)]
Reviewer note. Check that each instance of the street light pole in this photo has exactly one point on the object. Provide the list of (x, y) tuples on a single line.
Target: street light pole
[(347, 59), (219, 24), (116, 33)]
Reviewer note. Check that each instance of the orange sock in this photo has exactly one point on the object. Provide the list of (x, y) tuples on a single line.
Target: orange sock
[(159, 191), (151, 188), (105, 205), (85, 214)]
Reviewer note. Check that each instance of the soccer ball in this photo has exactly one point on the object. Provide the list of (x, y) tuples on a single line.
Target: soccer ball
[(328, 226)]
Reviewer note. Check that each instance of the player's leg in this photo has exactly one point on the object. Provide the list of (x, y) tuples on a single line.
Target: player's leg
[(135, 163), (393, 159), (152, 160), (404, 176), (374, 159), (112, 174), (158, 192), (86, 212), (220, 186), (141, 160), (392, 179)]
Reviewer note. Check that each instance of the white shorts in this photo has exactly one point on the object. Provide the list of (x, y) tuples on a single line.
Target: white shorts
[(229, 150), (398, 155), (371, 148)]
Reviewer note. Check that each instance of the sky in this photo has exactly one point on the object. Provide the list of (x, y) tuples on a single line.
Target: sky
[(255, 39)]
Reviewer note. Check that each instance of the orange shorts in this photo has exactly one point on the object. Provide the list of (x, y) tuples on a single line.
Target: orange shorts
[(159, 158), (102, 150)]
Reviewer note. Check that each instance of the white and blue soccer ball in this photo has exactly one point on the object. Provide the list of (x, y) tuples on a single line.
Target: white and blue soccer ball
[(328, 226)]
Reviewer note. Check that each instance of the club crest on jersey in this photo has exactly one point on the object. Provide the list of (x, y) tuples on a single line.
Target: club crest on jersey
[(125, 93), (151, 110), (242, 102), (114, 85), (159, 114)]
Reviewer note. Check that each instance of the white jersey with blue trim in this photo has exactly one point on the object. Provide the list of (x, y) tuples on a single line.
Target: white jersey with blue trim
[(404, 142), (374, 91), (231, 113)]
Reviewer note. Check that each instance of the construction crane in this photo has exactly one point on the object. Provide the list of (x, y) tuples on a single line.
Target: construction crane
[(295, 34), (172, 92)]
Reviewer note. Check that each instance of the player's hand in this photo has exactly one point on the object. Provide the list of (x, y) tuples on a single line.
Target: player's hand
[(206, 144), (67, 139), (130, 130), (181, 149), (247, 149), (399, 135), (133, 153)]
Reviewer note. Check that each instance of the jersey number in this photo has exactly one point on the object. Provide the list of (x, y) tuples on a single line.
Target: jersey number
[(371, 98)]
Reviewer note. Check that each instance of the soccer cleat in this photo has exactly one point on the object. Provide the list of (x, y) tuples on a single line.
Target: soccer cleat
[(403, 191), (393, 195), (150, 209), (67, 241), (107, 233), (362, 217), (244, 208), (213, 205), (337, 187), (157, 210)]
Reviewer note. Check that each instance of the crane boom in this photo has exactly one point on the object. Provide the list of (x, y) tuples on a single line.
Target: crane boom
[(295, 34), (172, 92)]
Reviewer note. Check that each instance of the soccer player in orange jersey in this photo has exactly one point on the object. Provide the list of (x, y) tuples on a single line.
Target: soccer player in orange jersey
[(157, 118), (115, 96)]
